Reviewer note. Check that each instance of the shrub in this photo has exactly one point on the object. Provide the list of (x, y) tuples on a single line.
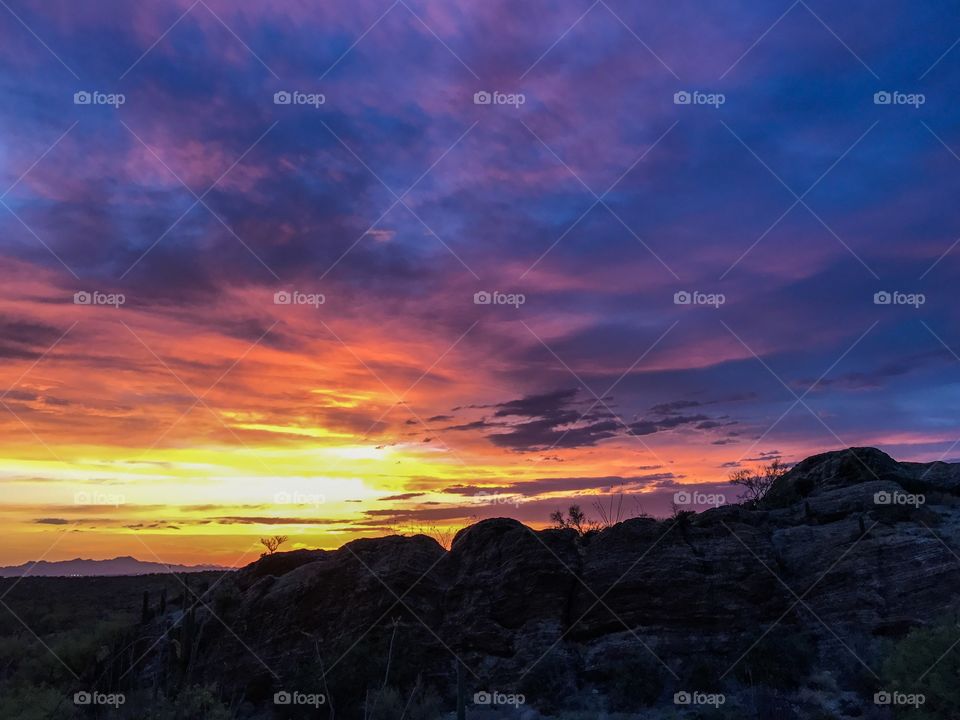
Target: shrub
[(917, 664), (575, 520)]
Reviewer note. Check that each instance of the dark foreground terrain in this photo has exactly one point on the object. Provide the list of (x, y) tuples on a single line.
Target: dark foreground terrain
[(834, 597)]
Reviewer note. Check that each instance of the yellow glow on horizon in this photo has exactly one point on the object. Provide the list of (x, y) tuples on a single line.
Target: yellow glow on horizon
[(340, 398), (314, 432), (363, 452)]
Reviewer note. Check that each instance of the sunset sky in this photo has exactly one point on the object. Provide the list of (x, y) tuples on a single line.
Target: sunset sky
[(200, 413)]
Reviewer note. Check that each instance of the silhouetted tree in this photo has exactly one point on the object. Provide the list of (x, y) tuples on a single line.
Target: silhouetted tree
[(575, 519), (756, 483), (272, 543)]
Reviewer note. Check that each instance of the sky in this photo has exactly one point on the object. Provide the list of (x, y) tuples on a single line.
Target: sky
[(338, 270)]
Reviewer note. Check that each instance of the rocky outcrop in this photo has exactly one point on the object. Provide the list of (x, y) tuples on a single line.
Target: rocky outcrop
[(822, 473), (839, 556)]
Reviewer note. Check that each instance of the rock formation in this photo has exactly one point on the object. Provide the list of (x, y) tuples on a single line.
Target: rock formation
[(847, 550)]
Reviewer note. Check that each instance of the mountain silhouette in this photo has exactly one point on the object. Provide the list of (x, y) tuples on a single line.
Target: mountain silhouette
[(124, 565)]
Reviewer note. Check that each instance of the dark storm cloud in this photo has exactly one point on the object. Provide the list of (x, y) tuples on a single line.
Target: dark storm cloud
[(553, 419), (541, 434), (533, 488), (402, 496), (670, 422), (674, 407), (564, 418), (474, 425), (21, 396), (537, 405), (270, 520), (765, 456), (25, 339)]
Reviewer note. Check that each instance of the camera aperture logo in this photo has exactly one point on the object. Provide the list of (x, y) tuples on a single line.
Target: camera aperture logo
[(482, 97), (483, 297), (886, 697), (695, 97), (295, 697), (295, 97), (299, 498), (898, 498), (95, 97), (895, 97), (98, 497), (295, 297), (489, 498), (895, 297), (98, 698), (685, 697), (695, 297), (494, 697), (684, 497), (82, 297)]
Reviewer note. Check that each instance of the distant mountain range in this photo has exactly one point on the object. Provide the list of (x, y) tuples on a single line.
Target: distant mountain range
[(116, 566)]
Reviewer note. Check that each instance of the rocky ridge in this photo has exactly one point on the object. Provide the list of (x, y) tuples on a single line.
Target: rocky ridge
[(847, 550)]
